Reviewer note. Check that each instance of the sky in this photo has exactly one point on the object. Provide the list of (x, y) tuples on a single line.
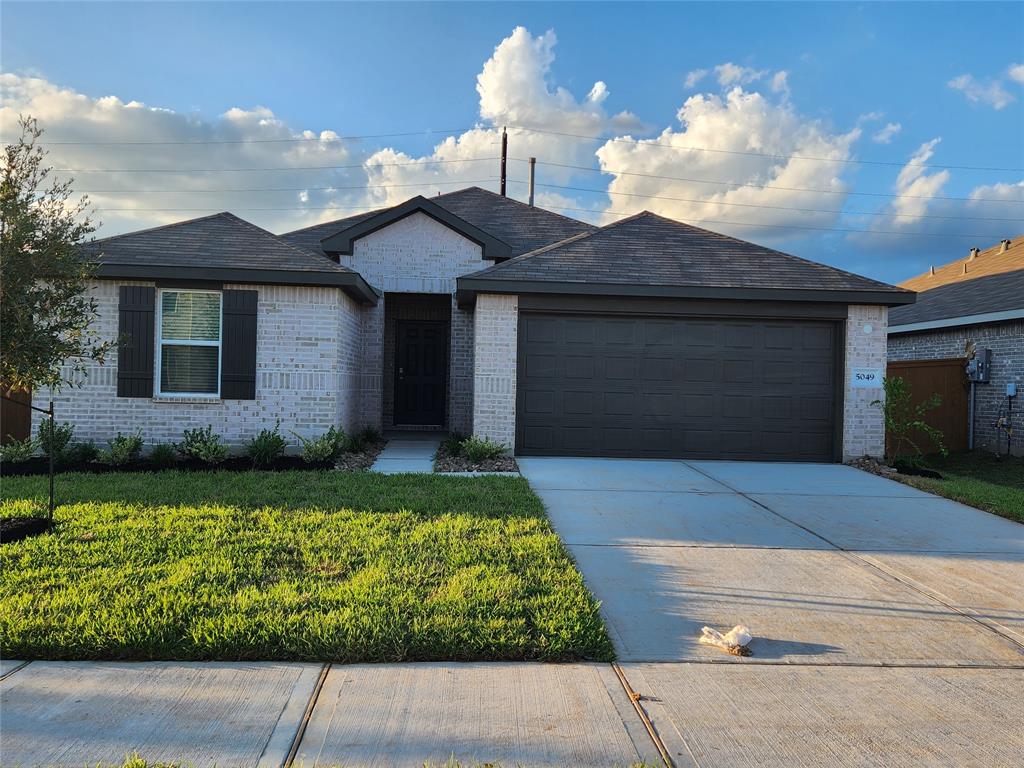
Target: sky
[(880, 138)]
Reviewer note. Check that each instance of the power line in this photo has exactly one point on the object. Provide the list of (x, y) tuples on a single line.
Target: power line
[(764, 186), (276, 168), (788, 226), (292, 140), (773, 207), (279, 189), (690, 148)]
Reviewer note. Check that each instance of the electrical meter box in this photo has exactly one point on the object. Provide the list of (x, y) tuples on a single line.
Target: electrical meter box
[(979, 366)]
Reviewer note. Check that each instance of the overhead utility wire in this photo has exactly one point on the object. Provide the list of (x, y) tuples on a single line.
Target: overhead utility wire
[(274, 168), (293, 140), (772, 155), (761, 186)]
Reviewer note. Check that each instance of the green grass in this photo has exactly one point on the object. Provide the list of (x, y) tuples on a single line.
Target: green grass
[(279, 565), (978, 479)]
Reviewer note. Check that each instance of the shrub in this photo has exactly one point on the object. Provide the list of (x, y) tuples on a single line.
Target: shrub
[(19, 450), (123, 449), (82, 453), (452, 445), (326, 447), (267, 446), (54, 438), (904, 421), (163, 456), (478, 449), (203, 445)]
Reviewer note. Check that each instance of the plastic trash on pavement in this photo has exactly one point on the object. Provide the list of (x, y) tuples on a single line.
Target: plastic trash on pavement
[(736, 641)]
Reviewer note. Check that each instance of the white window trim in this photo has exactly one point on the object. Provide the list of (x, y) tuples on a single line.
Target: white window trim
[(160, 342)]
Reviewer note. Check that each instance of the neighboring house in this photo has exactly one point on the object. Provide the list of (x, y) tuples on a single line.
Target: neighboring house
[(478, 314), (976, 300)]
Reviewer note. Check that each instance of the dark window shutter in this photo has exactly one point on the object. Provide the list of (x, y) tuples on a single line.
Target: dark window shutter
[(135, 343), (238, 346)]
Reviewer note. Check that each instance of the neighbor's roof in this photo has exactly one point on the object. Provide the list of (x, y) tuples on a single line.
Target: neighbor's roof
[(221, 247), (985, 288), (650, 255), (520, 226)]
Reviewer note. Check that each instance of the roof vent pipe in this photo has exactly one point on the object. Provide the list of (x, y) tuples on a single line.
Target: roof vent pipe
[(1004, 246), (931, 270), (974, 254), (533, 172), (965, 268)]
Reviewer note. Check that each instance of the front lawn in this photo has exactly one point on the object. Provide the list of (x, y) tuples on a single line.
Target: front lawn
[(982, 480), (292, 566)]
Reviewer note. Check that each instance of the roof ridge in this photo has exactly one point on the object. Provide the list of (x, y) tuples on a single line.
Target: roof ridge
[(282, 241), (986, 253), (158, 227), (513, 200), (332, 221)]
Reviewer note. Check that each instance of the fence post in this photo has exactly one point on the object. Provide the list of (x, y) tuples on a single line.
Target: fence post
[(49, 453)]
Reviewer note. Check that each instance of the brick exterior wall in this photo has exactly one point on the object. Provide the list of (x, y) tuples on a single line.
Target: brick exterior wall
[(494, 382), (1006, 340), (417, 255), (863, 423), (307, 357)]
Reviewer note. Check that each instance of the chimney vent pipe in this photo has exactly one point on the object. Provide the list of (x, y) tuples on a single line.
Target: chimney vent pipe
[(973, 254), (1004, 246), (533, 173)]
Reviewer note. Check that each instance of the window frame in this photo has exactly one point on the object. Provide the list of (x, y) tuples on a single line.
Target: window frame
[(160, 342)]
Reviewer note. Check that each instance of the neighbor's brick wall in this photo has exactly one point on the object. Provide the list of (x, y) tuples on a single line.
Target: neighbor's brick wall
[(1006, 340), (307, 359), (415, 255), (494, 385), (863, 423)]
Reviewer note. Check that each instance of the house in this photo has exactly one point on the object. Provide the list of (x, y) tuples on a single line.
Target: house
[(479, 314), (977, 300)]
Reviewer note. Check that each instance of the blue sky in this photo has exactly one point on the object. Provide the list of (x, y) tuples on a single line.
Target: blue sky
[(938, 71)]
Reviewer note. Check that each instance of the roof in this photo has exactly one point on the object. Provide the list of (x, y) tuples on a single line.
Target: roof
[(983, 288), (987, 262), (520, 226), (650, 255), (220, 247)]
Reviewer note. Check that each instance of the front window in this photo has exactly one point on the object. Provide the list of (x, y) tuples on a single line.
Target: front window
[(188, 329)]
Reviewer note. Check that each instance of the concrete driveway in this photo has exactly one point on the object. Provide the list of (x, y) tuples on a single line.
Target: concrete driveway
[(878, 610)]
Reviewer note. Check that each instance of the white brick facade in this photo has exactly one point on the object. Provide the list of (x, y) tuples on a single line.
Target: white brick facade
[(863, 423), (494, 381), (307, 355)]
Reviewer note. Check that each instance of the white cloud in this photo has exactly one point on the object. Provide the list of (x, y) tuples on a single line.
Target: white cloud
[(990, 92), (731, 126), (780, 82), (915, 183), (694, 76), (886, 134), (734, 74), (1016, 73)]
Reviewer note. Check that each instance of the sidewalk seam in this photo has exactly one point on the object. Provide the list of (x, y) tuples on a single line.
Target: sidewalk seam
[(634, 699), (306, 715)]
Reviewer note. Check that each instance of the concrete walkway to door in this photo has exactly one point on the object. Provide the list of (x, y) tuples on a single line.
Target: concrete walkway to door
[(885, 618)]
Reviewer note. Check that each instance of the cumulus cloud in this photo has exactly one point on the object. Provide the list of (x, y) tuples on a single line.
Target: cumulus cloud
[(915, 183), (747, 142), (989, 92), (733, 74), (886, 134), (1016, 73), (694, 76)]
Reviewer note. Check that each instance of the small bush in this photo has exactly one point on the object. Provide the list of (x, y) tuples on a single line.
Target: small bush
[(203, 445), (19, 450), (478, 449), (163, 456), (267, 446), (123, 450), (326, 447), (54, 438), (82, 453), (452, 445)]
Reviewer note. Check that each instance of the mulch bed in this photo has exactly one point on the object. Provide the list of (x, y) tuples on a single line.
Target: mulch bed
[(18, 528), (875, 467), (361, 459), (445, 461)]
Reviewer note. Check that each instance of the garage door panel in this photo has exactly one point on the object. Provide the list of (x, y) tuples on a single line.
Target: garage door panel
[(660, 387)]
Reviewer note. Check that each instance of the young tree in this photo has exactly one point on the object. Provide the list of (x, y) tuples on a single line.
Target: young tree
[(44, 271), (905, 421)]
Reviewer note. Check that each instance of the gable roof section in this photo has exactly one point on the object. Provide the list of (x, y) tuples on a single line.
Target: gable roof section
[(988, 299), (988, 262), (519, 226), (650, 255), (221, 248), (342, 241)]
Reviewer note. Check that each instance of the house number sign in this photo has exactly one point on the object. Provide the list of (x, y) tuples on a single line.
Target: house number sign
[(866, 378)]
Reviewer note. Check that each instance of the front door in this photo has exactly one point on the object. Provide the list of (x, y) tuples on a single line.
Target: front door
[(420, 366)]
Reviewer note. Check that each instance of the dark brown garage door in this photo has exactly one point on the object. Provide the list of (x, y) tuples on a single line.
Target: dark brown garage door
[(676, 387)]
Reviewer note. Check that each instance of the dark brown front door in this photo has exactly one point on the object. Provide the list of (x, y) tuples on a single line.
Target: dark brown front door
[(420, 363)]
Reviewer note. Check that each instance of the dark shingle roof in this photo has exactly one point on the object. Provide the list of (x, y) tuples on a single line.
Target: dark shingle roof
[(992, 293), (651, 250), (522, 227), (218, 247)]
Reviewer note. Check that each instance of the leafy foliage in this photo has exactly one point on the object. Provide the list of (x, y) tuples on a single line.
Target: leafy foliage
[(54, 438), (267, 446), (44, 310), (80, 453), (478, 449), (19, 450), (904, 421), (163, 456), (203, 444), (325, 448), (122, 450), (452, 445)]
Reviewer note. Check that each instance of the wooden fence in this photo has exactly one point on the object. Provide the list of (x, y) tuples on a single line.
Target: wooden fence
[(16, 416), (947, 378)]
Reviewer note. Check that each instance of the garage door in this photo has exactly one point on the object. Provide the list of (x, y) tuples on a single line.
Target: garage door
[(660, 387)]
